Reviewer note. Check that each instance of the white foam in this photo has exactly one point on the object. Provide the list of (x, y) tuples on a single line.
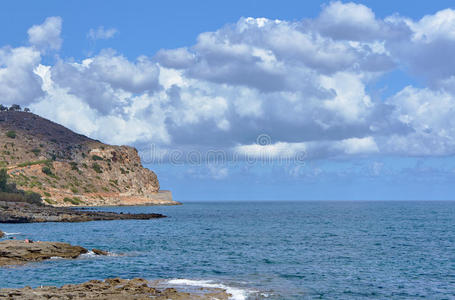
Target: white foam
[(89, 254), (237, 293), (12, 233)]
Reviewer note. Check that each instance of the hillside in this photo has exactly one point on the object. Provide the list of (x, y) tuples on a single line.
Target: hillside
[(68, 169)]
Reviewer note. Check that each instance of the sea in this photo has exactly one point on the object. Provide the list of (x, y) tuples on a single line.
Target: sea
[(263, 250)]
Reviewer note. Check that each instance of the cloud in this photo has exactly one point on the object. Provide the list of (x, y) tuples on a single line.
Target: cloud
[(309, 85), (47, 35), (101, 34), (18, 83)]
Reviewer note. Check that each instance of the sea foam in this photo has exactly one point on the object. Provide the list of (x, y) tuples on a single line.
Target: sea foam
[(237, 293)]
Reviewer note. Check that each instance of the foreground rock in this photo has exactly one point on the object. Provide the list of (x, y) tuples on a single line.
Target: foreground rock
[(22, 212), (15, 252), (111, 289)]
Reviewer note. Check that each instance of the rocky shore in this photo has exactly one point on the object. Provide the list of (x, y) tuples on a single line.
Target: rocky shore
[(115, 289), (22, 212), (16, 252)]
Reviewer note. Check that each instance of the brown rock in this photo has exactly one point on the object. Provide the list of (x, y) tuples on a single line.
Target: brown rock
[(1, 234), (99, 252), (14, 252), (112, 288)]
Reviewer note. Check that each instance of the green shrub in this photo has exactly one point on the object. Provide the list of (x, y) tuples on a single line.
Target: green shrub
[(97, 168), (96, 157), (49, 201), (74, 166), (11, 134), (74, 201), (74, 190), (46, 170), (36, 151), (33, 198), (31, 163)]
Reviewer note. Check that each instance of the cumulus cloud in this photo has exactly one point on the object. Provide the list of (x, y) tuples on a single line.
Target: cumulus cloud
[(18, 83), (47, 35), (101, 34), (309, 85)]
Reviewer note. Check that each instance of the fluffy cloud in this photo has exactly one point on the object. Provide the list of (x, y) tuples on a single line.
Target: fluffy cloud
[(47, 35), (18, 83), (309, 85)]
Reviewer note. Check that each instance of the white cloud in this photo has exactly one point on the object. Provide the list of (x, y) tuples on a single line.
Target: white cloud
[(47, 35), (101, 33), (18, 83), (307, 84)]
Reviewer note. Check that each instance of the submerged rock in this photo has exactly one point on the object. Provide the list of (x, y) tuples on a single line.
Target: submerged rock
[(14, 252), (113, 288)]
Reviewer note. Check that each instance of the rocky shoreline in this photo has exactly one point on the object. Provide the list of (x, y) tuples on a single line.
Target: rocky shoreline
[(22, 212), (18, 252), (113, 288)]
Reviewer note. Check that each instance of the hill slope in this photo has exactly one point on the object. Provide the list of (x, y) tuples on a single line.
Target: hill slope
[(71, 169)]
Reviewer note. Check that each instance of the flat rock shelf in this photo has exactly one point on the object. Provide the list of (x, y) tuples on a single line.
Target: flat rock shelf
[(22, 212)]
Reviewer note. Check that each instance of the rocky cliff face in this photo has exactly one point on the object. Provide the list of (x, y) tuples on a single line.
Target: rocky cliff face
[(69, 169)]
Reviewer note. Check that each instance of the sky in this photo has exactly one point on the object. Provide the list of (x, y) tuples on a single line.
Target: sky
[(249, 100)]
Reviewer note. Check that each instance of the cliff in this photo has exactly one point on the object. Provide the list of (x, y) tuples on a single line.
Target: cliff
[(69, 169)]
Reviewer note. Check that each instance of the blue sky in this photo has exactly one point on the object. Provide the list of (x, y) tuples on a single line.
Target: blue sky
[(305, 99)]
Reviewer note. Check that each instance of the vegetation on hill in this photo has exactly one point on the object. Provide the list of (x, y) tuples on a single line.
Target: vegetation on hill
[(14, 107), (46, 158), (10, 193)]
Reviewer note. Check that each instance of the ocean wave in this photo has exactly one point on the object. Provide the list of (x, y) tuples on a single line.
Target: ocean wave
[(91, 254), (237, 293), (12, 233)]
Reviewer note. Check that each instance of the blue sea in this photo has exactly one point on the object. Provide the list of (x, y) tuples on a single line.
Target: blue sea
[(263, 250)]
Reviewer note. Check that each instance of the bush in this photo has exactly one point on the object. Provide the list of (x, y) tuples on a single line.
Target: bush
[(74, 201), (9, 191), (36, 151), (11, 134), (31, 163), (97, 168), (33, 198), (46, 170), (96, 157), (74, 166)]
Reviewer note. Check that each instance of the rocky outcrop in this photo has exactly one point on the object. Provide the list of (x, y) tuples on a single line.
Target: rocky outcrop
[(14, 252), (115, 289), (99, 252), (22, 212), (70, 169), (1, 234)]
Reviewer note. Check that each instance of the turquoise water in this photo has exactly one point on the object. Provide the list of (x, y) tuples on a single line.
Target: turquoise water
[(265, 250)]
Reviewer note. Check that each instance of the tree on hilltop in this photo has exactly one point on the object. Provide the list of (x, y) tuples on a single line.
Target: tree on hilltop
[(15, 107)]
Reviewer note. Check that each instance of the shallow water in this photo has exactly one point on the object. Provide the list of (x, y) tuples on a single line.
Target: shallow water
[(270, 250)]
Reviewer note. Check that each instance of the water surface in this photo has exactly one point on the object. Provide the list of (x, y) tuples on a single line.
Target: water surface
[(270, 250)]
